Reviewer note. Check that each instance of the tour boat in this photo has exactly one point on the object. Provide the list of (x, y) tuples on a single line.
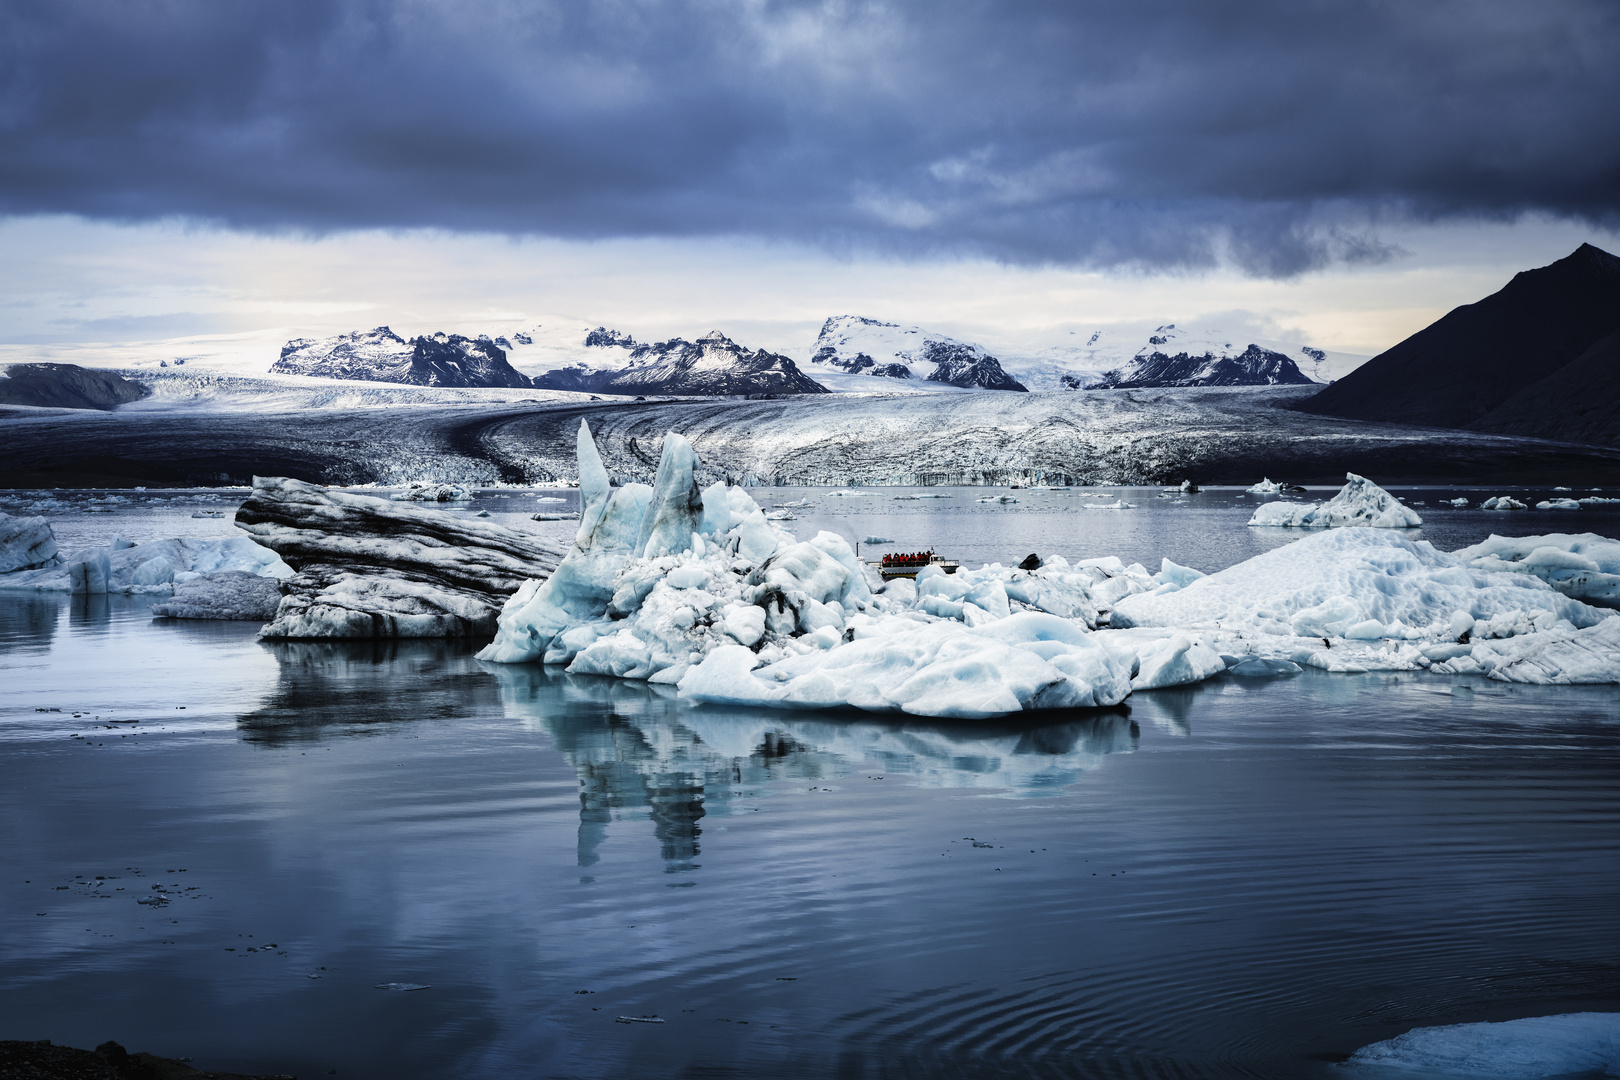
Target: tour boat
[(908, 565)]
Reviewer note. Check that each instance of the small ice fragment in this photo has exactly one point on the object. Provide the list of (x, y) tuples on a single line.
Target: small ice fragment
[(398, 986)]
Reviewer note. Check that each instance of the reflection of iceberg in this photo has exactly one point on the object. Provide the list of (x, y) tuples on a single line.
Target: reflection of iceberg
[(321, 685), (638, 751)]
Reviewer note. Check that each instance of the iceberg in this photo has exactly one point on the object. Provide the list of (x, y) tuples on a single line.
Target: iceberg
[(1503, 502), (153, 567), (696, 587), (1585, 566), (1359, 502), (26, 543), (1266, 487), (1558, 504), (371, 567), (1364, 599), (224, 594), (1568, 1044)]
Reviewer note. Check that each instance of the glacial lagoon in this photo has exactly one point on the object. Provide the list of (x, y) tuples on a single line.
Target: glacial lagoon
[(221, 848)]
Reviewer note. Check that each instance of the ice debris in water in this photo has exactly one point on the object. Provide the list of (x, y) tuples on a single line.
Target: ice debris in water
[(1359, 502), (694, 586), (153, 567), (1558, 504), (26, 543), (1567, 1044), (423, 491), (878, 540), (1266, 487), (1583, 565), (1503, 502), (1459, 501), (1367, 599), (228, 594)]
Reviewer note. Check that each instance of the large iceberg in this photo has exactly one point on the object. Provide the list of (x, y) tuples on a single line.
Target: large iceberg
[(26, 543), (1567, 1044), (696, 587), (1583, 565), (1368, 599), (152, 567), (369, 567), (1359, 502)]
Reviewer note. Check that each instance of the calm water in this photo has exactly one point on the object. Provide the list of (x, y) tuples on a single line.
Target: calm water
[(1240, 879)]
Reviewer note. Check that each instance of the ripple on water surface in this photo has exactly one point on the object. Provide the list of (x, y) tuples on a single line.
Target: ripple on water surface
[(1237, 879)]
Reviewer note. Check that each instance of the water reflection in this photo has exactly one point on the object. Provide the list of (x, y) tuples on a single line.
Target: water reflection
[(638, 751), (357, 686)]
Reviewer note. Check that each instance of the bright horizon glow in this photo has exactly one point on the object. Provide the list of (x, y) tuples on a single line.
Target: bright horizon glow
[(69, 280)]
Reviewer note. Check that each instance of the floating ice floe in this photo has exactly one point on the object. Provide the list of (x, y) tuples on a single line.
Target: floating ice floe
[(878, 540), (780, 515), (1459, 501), (369, 567), (226, 594), (421, 491), (1266, 487), (1359, 502), (1503, 502), (1002, 500), (26, 543), (1366, 599), (1558, 504), (1585, 566), (1596, 500), (1567, 1044), (677, 584), (153, 567), (1117, 504)]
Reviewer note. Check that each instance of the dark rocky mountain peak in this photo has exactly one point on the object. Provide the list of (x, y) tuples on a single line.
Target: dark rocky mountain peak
[(380, 355), (1520, 361), (967, 366), (603, 338), (1255, 366)]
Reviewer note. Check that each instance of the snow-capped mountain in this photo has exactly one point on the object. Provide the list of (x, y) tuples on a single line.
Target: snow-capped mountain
[(380, 355), (1175, 355), (868, 349), (615, 363), (1254, 366)]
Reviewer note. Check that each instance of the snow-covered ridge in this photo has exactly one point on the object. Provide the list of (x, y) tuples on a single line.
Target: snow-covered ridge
[(383, 356), (855, 346), (713, 364)]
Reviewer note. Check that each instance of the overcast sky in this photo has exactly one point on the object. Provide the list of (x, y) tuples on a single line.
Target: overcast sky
[(1344, 170)]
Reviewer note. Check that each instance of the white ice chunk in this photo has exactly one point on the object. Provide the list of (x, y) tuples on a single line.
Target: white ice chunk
[(1503, 502), (1558, 504), (1567, 1044), (1359, 502), (676, 510), (226, 594), (1326, 583), (1266, 487), (26, 543), (1585, 566)]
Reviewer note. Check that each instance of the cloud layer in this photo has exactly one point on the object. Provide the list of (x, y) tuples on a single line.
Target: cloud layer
[(1161, 133)]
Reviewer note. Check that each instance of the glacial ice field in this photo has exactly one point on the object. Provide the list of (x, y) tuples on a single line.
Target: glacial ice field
[(219, 847)]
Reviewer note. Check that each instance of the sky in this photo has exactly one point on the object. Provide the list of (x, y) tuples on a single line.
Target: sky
[(1336, 173)]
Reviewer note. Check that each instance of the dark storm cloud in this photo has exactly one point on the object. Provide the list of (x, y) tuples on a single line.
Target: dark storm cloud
[(1156, 132)]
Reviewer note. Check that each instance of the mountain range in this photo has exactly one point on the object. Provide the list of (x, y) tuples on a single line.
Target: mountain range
[(380, 355)]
